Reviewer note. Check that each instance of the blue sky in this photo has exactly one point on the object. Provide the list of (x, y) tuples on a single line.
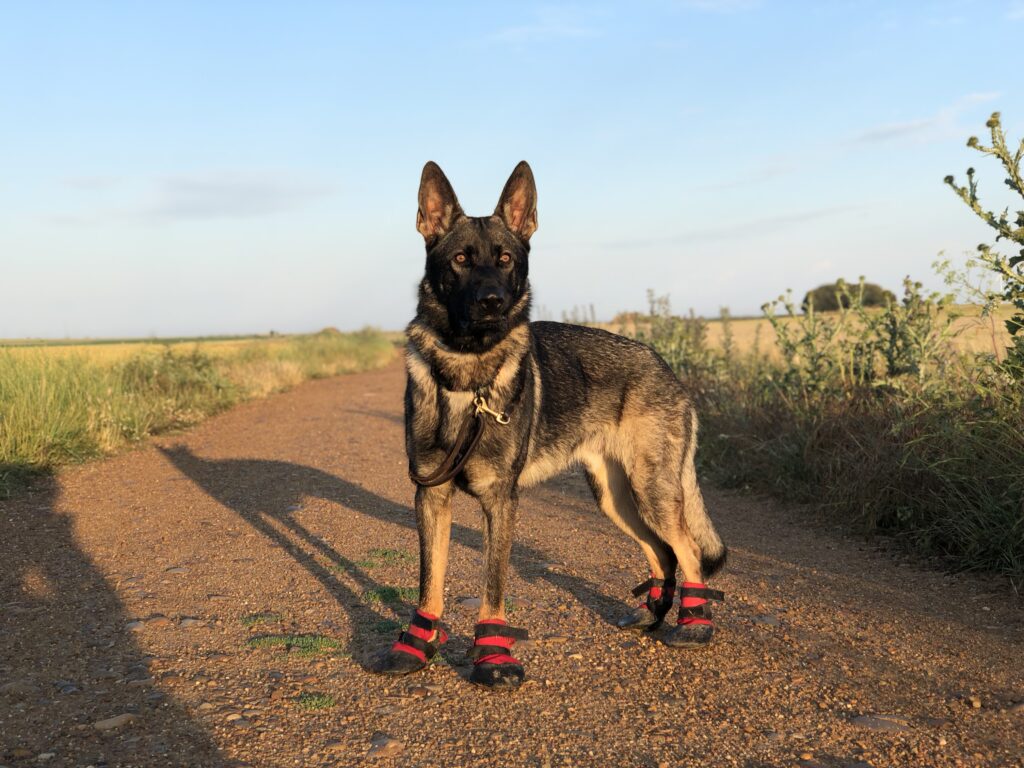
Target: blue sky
[(192, 168)]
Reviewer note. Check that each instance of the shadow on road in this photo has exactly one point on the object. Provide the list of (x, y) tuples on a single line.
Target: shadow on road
[(67, 659), (261, 491)]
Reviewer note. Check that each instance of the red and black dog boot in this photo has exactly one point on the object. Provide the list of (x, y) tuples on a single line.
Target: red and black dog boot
[(415, 647), (650, 613), (494, 666), (694, 627)]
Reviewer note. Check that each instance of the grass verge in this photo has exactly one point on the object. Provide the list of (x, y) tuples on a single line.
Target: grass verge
[(60, 408)]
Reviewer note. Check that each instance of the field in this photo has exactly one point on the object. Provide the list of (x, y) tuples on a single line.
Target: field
[(969, 333), (68, 402)]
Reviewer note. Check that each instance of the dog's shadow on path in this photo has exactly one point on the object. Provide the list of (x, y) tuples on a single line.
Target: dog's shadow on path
[(264, 493)]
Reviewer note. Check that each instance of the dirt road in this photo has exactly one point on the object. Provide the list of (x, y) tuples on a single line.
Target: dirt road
[(213, 598)]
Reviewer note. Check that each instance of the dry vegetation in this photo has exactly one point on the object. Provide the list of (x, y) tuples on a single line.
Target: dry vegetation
[(71, 402)]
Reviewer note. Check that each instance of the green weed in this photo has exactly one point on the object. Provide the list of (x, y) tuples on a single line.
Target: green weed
[(312, 702), (305, 645), (391, 595)]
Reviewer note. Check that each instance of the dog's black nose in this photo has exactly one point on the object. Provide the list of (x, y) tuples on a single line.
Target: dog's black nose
[(489, 298)]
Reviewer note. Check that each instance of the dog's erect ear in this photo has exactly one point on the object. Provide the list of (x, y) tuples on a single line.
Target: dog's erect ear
[(517, 206), (438, 206)]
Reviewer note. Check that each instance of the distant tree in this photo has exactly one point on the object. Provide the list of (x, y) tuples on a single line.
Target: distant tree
[(832, 296)]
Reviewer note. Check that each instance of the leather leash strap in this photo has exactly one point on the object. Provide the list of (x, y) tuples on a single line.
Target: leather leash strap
[(465, 443)]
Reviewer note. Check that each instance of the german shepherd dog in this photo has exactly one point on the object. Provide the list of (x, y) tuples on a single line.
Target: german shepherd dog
[(543, 397)]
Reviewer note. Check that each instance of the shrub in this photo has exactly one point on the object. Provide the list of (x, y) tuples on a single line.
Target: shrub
[(833, 296), (1009, 269)]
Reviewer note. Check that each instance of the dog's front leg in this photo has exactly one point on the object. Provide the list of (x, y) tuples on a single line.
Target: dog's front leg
[(418, 644), (494, 666), (434, 523)]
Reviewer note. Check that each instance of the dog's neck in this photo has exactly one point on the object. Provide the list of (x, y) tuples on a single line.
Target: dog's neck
[(461, 369)]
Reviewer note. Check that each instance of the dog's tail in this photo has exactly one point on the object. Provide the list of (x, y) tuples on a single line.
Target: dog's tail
[(713, 552)]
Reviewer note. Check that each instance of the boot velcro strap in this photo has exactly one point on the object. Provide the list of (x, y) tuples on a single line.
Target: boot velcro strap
[(477, 651), (426, 648), (696, 612), (500, 630), (704, 592), (421, 621), (640, 589)]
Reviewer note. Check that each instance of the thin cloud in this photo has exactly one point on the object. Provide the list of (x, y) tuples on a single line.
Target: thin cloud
[(733, 231), (939, 125), (1016, 12), (232, 195), (549, 24)]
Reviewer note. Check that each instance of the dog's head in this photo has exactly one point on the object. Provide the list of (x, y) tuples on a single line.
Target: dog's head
[(477, 265)]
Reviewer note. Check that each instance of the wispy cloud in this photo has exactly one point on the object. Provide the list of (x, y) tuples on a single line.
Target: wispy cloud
[(550, 23), (232, 194), (740, 230), (940, 125), (1015, 11)]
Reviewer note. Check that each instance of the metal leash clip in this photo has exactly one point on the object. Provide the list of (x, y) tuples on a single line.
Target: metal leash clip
[(482, 407)]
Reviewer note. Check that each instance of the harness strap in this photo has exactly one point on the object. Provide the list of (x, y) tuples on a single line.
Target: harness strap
[(659, 594)]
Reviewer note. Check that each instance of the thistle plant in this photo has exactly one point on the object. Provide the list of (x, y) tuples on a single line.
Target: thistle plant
[(1010, 269)]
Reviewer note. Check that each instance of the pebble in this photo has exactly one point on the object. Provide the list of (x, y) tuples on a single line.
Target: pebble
[(44, 757), (882, 722), (383, 745), (176, 569), (66, 687), (974, 701), (806, 756), (113, 722), (419, 691), (470, 602), (765, 618), (159, 621), (191, 621), (134, 626), (1018, 707), (556, 639)]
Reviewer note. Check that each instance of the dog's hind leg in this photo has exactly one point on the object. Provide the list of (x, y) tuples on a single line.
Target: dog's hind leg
[(418, 644), (661, 501), (613, 494), (493, 664)]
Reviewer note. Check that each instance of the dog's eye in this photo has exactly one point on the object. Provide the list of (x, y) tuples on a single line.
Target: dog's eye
[(505, 258), (460, 258)]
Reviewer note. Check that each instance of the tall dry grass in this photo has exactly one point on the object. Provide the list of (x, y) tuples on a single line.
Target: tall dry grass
[(69, 405)]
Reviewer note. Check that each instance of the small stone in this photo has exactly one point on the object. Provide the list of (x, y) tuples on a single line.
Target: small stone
[(575, 656), (1018, 707), (234, 716), (134, 626), (806, 756), (44, 757), (66, 687), (242, 722), (556, 639), (140, 683), (113, 722), (470, 602), (176, 569), (974, 701), (159, 621), (419, 691), (881, 722), (276, 694), (191, 621), (383, 745), (206, 706), (765, 618), (20, 753)]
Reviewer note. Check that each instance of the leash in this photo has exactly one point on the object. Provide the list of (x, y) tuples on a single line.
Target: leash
[(466, 440)]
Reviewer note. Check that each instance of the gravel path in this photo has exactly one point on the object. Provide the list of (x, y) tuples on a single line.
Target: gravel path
[(213, 598)]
